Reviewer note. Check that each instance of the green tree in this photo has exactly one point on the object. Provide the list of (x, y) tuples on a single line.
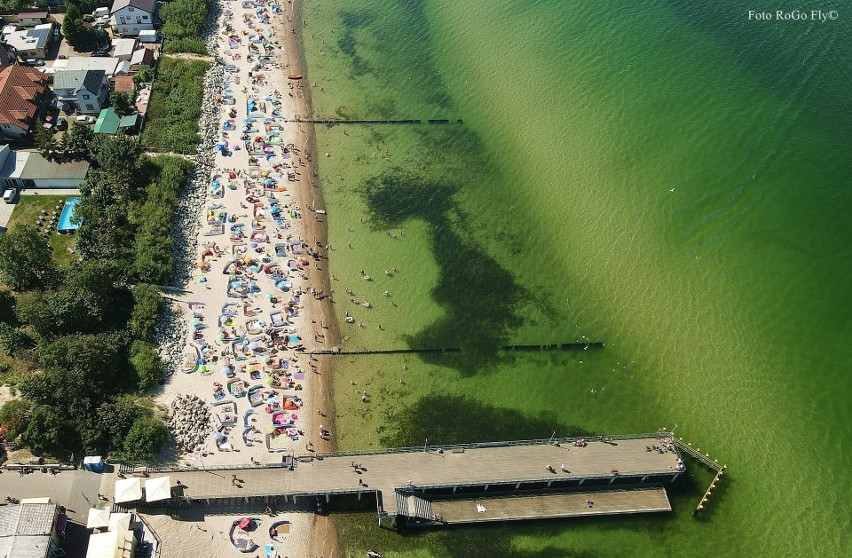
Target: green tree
[(49, 431), (14, 417), (122, 103), (26, 260), (146, 437), (147, 305), (146, 362), (13, 340), (75, 32), (47, 145), (76, 144)]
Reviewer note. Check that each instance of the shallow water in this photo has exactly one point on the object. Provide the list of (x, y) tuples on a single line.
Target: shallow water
[(672, 181)]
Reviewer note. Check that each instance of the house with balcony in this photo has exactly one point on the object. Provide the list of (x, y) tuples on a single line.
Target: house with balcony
[(83, 90), (129, 17)]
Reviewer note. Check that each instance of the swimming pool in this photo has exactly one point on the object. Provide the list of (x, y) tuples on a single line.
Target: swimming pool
[(65, 225)]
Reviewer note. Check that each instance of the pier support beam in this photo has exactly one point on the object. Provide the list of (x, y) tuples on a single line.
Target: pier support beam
[(485, 489), (455, 488), (327, 498), (549, 483), (581, 482), (644, 479), (612, 480), (674, 478), (518, 486)]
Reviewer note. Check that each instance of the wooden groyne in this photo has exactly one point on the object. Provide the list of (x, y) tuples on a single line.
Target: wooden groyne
[(706, 460), (333, 121), (336, 351)]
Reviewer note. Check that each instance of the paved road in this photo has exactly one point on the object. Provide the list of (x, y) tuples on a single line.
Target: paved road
[(75, 490)]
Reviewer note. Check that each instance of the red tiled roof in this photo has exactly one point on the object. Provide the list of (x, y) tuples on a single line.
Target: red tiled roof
[(21, 89), (124, 83)]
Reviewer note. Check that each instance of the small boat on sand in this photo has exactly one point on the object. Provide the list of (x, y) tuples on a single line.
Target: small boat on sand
[(294, 76)]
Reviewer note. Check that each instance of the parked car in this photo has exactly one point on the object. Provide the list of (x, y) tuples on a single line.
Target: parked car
[(11, 195), (88, 18), (61, 124), (33, 62), (100, 53), (85, 119)]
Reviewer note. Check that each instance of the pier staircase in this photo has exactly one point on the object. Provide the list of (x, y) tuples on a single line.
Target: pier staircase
[(414, 506)]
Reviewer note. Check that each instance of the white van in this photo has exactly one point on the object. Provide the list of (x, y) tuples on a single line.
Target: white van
[(100, 12), (11, 195)]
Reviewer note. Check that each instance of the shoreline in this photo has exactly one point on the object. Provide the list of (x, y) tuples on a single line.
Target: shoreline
[(323, 390)]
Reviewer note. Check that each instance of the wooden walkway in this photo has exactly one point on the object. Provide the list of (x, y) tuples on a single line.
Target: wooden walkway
[(470, 470), (543, 506)]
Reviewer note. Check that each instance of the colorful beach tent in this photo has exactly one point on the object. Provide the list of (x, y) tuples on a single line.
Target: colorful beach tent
[(98, 517), (128, 490), (158, 489)]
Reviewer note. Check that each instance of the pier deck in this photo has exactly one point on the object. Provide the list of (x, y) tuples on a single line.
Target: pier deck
[(543, 506), (470, 470)]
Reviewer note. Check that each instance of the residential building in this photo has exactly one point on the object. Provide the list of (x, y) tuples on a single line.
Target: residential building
[(110, 123), (124, 84), (32, 43), (31, 19), (28, 169), (22, 90), (8, 55), (31, 529), (110, 65), (86, 90), (131, 16), (142, 57), (123, 48)]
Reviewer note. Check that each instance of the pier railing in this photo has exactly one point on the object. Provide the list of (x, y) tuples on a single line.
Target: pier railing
[(479, 445), (131, 469), (705, 459)]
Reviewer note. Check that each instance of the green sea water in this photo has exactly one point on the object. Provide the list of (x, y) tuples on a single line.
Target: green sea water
[(670, 178)]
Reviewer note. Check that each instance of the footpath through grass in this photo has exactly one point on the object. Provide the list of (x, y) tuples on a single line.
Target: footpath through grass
[(171, 123), (28, 209)]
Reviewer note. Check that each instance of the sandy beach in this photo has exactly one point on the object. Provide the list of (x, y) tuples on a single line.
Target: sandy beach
[(259, 297)]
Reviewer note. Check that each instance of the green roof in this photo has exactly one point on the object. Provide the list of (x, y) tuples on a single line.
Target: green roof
[(109, 123)]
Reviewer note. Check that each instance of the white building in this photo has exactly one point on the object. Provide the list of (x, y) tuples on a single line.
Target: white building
[(32, 43), (85, 89), (110, 65), (131, 16), (25, 169), (123, 48)]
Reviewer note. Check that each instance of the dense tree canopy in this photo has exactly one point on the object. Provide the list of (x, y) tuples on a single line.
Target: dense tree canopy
[(26, 260), (89, 333)]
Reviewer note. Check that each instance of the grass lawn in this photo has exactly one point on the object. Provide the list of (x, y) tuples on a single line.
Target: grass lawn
[(171, 123), (27, 211)]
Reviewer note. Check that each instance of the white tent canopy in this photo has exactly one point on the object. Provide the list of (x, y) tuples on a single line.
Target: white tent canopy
[(119, 521), (98, 517), (112, 544), (128, 490), (158, 489)]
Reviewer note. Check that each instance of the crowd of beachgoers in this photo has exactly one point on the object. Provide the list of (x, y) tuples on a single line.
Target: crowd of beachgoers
[(253, 297)]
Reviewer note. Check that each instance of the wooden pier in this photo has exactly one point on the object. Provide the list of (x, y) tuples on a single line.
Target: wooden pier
[(546, 506), (609, 468), (703, 458)]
